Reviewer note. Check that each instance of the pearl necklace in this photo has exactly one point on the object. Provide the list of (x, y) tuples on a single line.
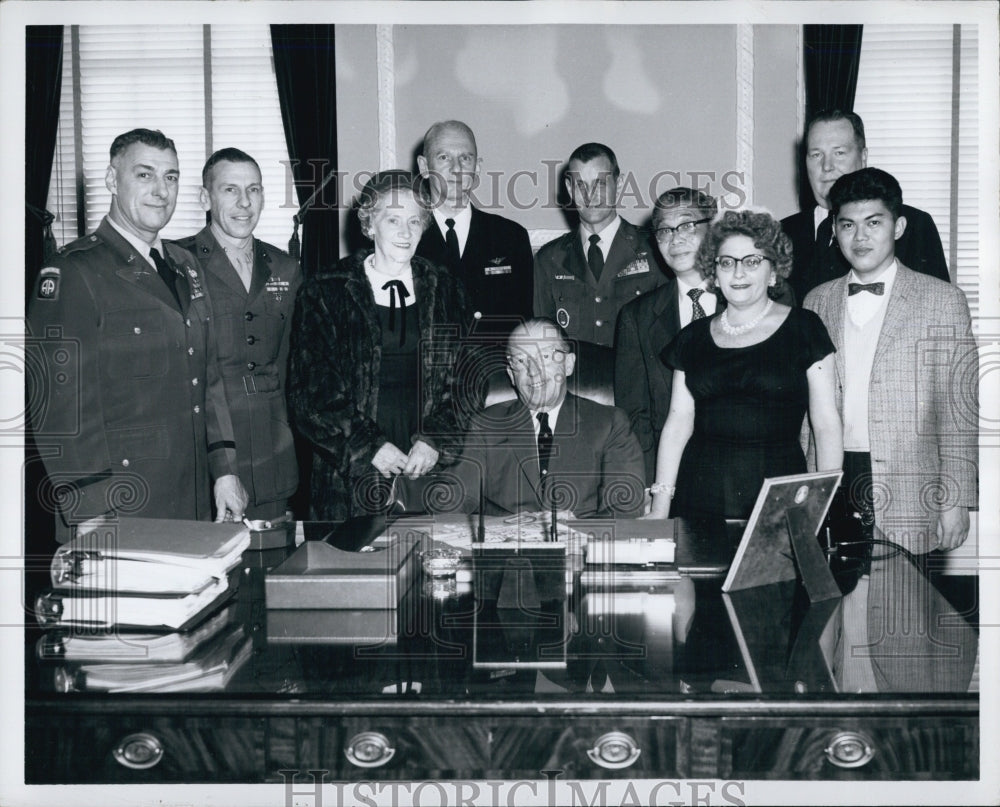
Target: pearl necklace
[(736, 330)]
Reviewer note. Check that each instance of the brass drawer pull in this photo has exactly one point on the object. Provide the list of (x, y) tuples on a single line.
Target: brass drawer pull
[(614, 750), (139, 751), (369, 749), (849, 749)]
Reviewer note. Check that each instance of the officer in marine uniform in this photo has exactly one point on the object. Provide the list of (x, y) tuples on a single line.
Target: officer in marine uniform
[(128, 410), (252, 287)]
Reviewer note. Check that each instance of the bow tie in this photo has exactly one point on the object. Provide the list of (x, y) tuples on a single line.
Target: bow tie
[(874, 288)]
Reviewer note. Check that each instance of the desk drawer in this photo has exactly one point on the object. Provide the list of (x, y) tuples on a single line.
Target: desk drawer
[(587, 747), (845, 748), (134, 750), (379, 747)]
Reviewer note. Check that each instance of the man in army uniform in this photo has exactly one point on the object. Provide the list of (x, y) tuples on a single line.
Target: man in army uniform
[(129, 412), (583, 278), (252, 288)]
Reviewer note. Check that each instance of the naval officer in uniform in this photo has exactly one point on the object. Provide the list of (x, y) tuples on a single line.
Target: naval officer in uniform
[(252, 288), (128, 408)]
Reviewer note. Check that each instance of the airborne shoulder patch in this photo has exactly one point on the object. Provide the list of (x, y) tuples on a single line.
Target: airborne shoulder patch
[(48, 283)]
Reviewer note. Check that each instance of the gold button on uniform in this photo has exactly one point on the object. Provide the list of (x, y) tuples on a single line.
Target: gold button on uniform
[(190, 351), (137, 329), (599, 323), (197, 409), (125, 463), (194, 382)]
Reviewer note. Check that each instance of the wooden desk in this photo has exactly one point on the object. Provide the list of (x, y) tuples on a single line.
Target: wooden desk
[(657, 685)]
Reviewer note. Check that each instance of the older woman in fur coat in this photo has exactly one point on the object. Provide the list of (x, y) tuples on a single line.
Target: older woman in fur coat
[(375, 348)]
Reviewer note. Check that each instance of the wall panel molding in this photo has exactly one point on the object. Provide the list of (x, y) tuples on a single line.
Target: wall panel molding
[(744, 107), (386, 72)]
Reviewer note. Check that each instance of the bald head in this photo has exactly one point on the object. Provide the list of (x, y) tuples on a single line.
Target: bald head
[(450, 162)]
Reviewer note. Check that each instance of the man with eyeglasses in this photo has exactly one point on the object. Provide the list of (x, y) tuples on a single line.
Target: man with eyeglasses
[(583, 278), (647, 324), (548, 445)]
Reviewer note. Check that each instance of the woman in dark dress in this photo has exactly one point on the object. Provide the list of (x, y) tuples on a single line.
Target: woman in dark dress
[(374, 353), (743, 381)]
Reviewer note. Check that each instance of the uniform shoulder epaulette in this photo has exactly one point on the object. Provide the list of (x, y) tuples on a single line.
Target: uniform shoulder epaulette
[(187, 242), (80, 245)]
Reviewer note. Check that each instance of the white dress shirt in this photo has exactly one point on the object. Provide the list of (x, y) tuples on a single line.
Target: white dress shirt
[(140, 246), (685, 305), (463, 220), (607, 236)]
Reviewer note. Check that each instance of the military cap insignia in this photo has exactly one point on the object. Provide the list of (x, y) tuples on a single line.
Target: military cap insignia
[(48, 283)]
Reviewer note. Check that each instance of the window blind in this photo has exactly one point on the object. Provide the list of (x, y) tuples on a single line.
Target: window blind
[(905, 97), (132, 76)]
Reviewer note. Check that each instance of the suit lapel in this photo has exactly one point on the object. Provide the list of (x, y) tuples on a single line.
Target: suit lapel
[(621, 253), (838, 308), (574, 260), (135, 269), (525, 447), (895, 312), (218, 264), (666, 316), (261, 270)]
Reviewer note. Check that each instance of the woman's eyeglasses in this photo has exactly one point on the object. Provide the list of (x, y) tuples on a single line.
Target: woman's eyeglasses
[(727, 263)]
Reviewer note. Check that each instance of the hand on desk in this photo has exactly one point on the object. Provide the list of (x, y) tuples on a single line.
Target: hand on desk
[(231, 498)]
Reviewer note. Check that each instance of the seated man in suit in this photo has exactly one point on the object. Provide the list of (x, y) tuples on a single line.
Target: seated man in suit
[(907, 397), (583, 278), (549, 446), (834, 146), (647, 324), (491, 254)]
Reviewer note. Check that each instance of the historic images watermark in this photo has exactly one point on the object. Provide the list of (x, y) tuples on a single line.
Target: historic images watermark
[(538, 188), (309, 789)]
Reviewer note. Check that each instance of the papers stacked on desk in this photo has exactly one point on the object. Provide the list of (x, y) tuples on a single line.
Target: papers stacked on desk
[(144, 573), (210, 667)]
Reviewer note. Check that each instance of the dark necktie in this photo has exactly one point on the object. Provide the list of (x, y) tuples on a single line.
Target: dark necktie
[(451, 243), (697, 311), (595, 257), (397, 287), (544, 444), (164, 271), (874, 288)]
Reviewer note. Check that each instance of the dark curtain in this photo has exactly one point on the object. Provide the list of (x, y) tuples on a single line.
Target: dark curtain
[(43, 83), (832, 55), (304, 65)]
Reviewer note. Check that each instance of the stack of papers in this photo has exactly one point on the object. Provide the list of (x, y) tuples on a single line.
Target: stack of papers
[(210, 668), (144, 573)]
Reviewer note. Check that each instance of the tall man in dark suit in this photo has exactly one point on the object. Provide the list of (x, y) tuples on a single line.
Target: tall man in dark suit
[(549, 445), (252, 287), (835, 145), (132, 417), (583, 278), (491, 254), (646, 325)]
